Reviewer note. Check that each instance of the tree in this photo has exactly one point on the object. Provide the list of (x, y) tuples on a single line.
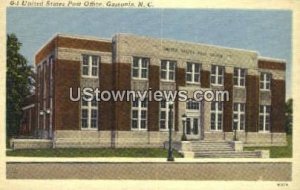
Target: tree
[(289, 116), (18, 84)]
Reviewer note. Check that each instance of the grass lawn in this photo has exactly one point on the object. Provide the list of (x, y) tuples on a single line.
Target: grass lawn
[(278, 152), (94, 152)]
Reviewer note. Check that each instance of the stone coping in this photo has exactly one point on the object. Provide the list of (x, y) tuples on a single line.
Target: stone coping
[(144, 160)]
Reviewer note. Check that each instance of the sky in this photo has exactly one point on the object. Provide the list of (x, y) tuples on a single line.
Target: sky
[(265, 31)]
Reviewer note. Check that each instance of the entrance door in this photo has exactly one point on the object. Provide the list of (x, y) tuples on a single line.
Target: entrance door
[(192, 129)]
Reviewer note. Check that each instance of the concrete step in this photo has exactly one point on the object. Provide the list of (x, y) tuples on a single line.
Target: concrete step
[(226, 154), (211, 149), (209, 142), (203, 146)]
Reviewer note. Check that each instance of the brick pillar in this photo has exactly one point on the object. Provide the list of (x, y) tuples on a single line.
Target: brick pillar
[(67, 113), (106, 78), (252, 103), (205, 79), (278, 104), (153, 106), (122, 108), (180, 81), (227, 119)]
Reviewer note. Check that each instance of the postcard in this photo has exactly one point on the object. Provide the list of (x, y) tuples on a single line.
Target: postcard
[(149, 94)]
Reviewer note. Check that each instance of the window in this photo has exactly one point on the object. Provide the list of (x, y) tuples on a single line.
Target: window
[(216, 116), (167, 70), (193, 105), (217, 75), (89, 114), (239, 77), (265, 81), (140, 67), (238, 116), (264, 118), (139, 114), (90, 65), (193, 73), (165, 115)]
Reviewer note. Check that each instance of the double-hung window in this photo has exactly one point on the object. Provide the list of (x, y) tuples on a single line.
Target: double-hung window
[(216, 116), (139, 114), (264, 118), (217, 75), (239, 77), (193, 73), (89, 114), (140, 67), (164, 116), (239, 116), (265, 81), (167, 70), (90, 64)]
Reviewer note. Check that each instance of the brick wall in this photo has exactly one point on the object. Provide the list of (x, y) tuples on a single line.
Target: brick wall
[(227, 119), (252, 104), (180, 81), (106, 108), (67, 75), (278, 105), (205, 79), (264, 64), (153, 106), (76, 43), (122, 109)]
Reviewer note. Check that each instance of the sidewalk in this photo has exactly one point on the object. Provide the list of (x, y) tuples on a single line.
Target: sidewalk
[(137, 160)]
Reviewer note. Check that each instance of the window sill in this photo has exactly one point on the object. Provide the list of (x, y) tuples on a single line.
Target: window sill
[(139, 129), (192, 111), (264, 132), (217, 85), (89, 129), (165, 130), (89, 77), (139, 79), (193, 83), (265, 90), (167, 81), (239, 87)]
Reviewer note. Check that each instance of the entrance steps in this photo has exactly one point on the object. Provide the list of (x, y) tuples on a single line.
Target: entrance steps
[(219, 149)]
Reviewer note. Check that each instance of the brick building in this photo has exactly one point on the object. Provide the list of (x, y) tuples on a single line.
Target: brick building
[(128, 62)]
